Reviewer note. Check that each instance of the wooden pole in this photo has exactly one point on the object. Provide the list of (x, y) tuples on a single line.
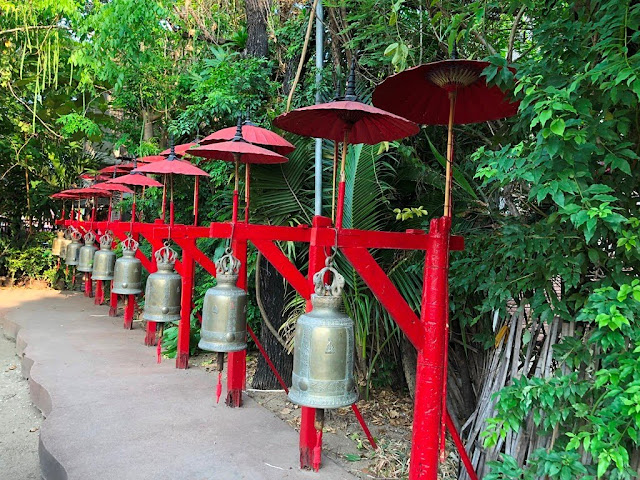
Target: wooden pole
[(447, 184)]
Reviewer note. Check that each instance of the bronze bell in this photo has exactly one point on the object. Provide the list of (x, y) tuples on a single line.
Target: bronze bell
[(324, 349), (66, 240), (162, 295), (224, 313), (128, 270), (85, 257), (57, 243), (104, 260), (73, 248)]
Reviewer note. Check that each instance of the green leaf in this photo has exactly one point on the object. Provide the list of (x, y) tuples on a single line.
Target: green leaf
[(557, 126)]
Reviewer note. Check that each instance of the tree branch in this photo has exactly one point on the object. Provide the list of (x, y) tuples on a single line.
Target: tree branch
[(514, 29), (28, 27), (33, 113)]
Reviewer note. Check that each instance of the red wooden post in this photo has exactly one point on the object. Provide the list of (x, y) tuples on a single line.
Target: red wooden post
[(113, 301), (99, 293), (308, 436), (237, 361), (428, 416), (184, 326), (129, 312), (88, 286)]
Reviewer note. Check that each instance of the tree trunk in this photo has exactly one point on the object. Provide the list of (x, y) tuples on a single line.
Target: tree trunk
[(257, 40), (272, 289)]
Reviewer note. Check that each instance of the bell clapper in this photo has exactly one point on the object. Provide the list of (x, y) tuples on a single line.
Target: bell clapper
[(220, 363)]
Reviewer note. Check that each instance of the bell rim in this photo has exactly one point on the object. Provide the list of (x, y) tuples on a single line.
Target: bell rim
[(319, 404)]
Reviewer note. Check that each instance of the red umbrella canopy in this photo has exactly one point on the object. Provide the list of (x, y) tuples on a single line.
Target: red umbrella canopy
[(252, 134), (179, 150), (136, 179), (112, 187), (422, 94), (122, 168), (241, 150), (171, 165), (150, 158), (361, 122), (87, 192), (64, 196), (91, 176)]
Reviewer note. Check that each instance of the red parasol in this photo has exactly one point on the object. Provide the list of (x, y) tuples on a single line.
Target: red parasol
[(151, 158), (135, 179), (238, 150), (94, 177), (445, 93), (121, 168), (347, 120), (87, 192), (112, 187), (178, 150), (170, 166), (252, 134)]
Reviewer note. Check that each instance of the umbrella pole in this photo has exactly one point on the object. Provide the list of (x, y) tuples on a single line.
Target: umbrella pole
[(234, 214), (333, 190), (141, 200), (93, 210), (246, 193), (164, 199), (133, 212), (171, 211), (196, 192), (447, 184), (341, 186)]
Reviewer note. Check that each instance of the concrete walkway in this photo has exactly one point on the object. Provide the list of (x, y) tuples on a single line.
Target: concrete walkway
[(113, 413)]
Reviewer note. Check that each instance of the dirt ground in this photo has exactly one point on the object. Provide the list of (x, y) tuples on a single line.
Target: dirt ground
[(19, 419)]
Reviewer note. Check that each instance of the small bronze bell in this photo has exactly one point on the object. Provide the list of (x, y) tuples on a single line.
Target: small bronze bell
[(104, 260), (85, 257), (73, 248), (324, 349), (224, 313), (66, 240), (57, 243), (128, 270), (162, 295)]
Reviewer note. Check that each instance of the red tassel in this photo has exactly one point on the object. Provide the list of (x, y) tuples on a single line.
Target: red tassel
[(159, 349), (219, 387), (317, 451)]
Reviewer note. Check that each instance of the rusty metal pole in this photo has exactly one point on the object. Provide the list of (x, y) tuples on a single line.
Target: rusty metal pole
[(425, 439)]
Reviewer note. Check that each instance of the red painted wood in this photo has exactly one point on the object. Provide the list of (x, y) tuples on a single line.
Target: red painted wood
[(237, 361), (340, 206), (460, 447), (113, 302), (184, 326), (425, 439), (281, 263), (99, 298), (129, 311), (386, 292), (273, 368)]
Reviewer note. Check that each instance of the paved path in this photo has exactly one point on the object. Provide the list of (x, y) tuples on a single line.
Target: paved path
[(113, 413)]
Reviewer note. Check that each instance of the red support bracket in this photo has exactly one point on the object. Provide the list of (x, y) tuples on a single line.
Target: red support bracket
[(287, 269), (237, 361), (113, 302), (88, 285), (99, 293), (129, 312), (386, 292), (184, 326)]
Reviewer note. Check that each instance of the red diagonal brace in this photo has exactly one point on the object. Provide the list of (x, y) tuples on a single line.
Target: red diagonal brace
[(386, 292), (287, 269)]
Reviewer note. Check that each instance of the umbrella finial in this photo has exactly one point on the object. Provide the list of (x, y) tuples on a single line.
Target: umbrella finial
[(238, 136), (172, 153), (350, 93), (247, 120)]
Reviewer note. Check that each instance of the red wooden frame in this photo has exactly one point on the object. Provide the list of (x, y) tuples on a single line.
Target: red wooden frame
[(428, 331)]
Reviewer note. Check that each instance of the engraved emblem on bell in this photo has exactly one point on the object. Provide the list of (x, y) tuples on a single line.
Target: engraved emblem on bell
[(324, 346), (224, 321), (128, 270), (162, 298), (73, 249), (104, 260)]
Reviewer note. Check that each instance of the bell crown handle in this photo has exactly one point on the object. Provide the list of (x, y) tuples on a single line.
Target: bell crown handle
[(75, 235), (130, 244), (106, 240), (228, 264), (166, 254), (89, 238), (334, 288)]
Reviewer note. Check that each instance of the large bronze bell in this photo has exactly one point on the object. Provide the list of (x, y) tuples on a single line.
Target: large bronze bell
[(104, 259), (324, 349), (162, 295), (85, 257), (73, 248), (128, 270), (224, 313), (57, 243)]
